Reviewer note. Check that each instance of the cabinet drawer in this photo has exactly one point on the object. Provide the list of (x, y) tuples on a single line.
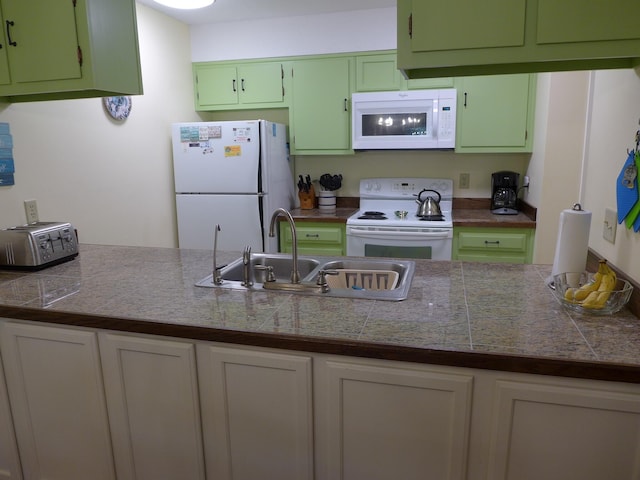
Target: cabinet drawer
[(500, 242), (315, 235)]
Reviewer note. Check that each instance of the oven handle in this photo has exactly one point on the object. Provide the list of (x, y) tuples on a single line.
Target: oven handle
[(356, 232)]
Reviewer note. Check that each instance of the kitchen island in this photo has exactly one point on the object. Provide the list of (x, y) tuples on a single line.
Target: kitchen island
[(458, 313), (476, 375)]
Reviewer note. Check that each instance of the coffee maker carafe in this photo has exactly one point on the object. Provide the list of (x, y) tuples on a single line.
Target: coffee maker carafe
[(504, 193)]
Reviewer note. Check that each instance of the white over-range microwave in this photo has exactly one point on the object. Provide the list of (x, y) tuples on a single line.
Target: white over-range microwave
[(412, 119)]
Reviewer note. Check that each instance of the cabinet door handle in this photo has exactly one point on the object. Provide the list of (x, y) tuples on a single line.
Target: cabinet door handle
[(411, 26), (234, 85), (465, 99), (242, 84), (495, 242), (345, 105), (10, 24), (312, 235)]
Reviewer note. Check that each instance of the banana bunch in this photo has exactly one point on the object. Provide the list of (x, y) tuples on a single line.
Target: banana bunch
[(595, 293)]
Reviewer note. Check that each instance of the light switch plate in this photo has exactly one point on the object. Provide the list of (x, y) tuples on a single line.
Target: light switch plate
[(610, 225)]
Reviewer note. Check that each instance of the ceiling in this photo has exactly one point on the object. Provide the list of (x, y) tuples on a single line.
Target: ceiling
[(239, 10)]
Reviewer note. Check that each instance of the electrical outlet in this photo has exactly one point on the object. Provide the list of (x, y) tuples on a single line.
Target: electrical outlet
[(31, 209), (464, 180), (610, 225)]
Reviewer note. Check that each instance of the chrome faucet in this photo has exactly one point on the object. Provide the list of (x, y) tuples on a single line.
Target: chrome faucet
[(217, 278), (295, 274), (246, 267)]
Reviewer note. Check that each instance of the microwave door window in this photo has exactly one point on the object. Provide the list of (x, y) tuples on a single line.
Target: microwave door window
[(395, 124)]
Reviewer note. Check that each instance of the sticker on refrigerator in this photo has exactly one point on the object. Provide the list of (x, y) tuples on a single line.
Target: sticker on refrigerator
[(194, 134), (232, 151), (242, 134)]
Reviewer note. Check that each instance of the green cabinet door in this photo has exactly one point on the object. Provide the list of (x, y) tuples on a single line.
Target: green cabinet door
[(4, 61), (495, 113), (321, 109), (379, 72), (44, 40), (216, 85), (506, 245), (596, 20), (462, 24), (375, 73), (315, 238), (467, 37), (69, 49), (261, 83), (237, 85)]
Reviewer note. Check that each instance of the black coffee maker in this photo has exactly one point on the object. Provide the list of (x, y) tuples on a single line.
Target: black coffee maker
[(504, 193)]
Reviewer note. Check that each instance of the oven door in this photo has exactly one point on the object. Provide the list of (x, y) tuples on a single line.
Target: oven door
[(431, 244)]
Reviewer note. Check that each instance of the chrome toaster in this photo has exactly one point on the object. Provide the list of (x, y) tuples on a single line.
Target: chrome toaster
[(37, 245)]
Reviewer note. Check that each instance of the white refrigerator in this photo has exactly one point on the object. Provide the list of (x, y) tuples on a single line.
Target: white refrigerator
[(235, 174)]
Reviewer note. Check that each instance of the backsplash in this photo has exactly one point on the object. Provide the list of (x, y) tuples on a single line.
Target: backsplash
[(415, 163)]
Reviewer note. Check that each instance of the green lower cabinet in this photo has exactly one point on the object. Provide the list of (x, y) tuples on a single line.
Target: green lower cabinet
[(315, 238), (507, 245)]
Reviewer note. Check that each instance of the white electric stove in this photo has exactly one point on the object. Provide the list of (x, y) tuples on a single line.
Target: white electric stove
[(376, 231)]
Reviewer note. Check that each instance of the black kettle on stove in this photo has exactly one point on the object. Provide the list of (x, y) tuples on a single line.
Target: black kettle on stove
[(429, 208)]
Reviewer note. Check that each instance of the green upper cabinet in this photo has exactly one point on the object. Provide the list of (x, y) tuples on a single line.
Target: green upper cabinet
[(475, 24), (376, 73), (379, 72), (239, 85), (515, 36), (4, 61), (495, 113), (321, 107), (69, 49)]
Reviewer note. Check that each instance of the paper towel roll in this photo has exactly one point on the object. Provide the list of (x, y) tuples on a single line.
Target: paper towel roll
[(573, 241)]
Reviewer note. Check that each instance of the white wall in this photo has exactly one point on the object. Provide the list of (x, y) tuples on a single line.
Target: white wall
[(373, 29), (615, 118), (113, 181), (556, 164)]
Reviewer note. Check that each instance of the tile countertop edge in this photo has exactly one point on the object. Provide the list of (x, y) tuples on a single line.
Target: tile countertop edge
[(612, 372)]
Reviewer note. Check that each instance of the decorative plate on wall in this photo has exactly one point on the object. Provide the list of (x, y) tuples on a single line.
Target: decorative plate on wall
[(118, 107)]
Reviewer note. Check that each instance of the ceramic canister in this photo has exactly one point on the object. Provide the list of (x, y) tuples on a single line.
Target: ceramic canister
[(327, 201)]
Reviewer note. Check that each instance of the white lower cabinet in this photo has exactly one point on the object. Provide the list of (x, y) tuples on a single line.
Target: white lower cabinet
[(380, 420), (257, 414), (152, 398), (9, 460), (196, 410), (57, 402), (565, 432)]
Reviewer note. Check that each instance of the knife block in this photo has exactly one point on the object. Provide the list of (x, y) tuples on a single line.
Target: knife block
[(307, 199)]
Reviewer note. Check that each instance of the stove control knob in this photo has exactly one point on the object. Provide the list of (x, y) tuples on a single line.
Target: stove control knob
[(377, 187)]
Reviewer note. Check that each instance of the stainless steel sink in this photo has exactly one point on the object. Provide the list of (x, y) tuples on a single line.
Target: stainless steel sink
[(309, 268), (281, 265)]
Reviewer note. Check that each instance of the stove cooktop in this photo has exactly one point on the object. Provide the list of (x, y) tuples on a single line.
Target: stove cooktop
[(380, 198)]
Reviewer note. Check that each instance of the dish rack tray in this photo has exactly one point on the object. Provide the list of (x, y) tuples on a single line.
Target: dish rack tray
[(363, 279)]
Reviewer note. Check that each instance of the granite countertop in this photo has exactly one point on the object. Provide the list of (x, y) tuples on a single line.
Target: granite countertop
[(466, 213), (475, 217), (340, 215), (493, 316)]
